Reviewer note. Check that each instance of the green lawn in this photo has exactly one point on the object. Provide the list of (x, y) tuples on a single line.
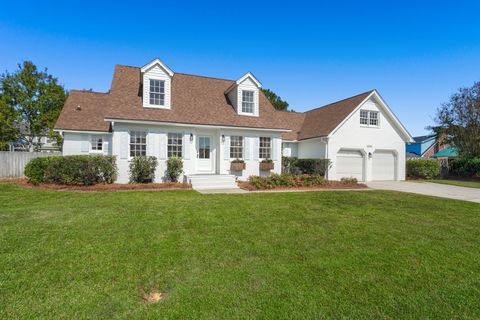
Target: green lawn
[(460, 183), (358, 254)]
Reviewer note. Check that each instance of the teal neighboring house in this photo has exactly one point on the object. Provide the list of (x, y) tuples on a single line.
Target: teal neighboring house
[(450, 152)]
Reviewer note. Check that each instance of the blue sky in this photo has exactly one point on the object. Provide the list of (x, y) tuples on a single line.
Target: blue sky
[(416, 53)]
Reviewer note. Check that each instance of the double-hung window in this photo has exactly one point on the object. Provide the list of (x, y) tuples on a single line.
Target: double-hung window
[(369, 118), (138, 143), (248, 104), (157, 92), (97, 143), (265, 148), (236, 147), (174, 145)]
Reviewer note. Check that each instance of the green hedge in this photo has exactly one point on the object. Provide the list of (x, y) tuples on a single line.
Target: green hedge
[(286, 180), (465, 167), (142, 169), (423, 169), (72, 170), (293, 165)]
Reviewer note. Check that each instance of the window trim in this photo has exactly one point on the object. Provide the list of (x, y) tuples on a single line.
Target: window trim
[(130, 143), (176, 145), (254, 105), (242, 147), (146, 92), (96, 137), (369, 118), (260, 148), (161, 83)]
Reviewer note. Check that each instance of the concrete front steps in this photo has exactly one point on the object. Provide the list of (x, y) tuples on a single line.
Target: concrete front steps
[(213, 182)]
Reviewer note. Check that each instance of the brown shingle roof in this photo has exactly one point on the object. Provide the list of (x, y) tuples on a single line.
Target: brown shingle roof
[(195, 100), (84, 110), (321, 121)]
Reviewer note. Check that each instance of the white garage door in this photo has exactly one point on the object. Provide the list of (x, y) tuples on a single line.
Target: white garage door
[(383, 165), (350, 164)]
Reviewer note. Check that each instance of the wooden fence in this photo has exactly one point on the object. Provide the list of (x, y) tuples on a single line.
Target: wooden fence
[(12, 164)]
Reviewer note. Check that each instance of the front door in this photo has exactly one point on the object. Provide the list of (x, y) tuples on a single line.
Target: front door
[(204, 154)]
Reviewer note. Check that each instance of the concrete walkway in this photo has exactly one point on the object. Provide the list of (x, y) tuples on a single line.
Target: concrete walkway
[(429, 189)]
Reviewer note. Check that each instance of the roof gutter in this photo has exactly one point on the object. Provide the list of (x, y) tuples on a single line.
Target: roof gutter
[(176, 124)]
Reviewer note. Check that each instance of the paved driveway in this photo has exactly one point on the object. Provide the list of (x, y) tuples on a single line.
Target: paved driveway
[(429, 189)]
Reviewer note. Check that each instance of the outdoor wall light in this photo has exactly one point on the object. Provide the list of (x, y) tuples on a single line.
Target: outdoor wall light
[(223, 138), (369, 155), (191, 136)]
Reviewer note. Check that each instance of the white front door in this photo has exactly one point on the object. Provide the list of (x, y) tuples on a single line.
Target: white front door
[(204, 154)]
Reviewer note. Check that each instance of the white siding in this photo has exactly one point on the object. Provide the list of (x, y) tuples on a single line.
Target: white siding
[(156, 72), (312, 148), (351, 135), (79, 143)]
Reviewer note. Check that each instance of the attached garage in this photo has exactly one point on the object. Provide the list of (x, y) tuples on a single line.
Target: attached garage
[(383, 165), (350, 163)]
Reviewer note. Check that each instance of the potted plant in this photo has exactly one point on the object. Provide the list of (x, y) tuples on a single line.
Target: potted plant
[(237, 165), (266, 165)]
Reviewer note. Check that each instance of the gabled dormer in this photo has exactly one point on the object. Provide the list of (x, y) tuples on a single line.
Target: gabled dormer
[(157, 84), (243, 95)]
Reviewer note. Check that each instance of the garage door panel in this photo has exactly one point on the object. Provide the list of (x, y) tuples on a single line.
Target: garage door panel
[(350, 164), (383, 166)]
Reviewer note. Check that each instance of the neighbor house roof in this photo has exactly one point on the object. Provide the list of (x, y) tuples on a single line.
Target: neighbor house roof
[(447, 152), (421, 139), (195, 100)]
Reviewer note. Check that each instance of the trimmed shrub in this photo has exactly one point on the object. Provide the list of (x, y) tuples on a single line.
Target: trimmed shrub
[(350, 180), (465, 167), (288, 165), (35, 169), (313, 166), (174, 168), (142, 169), (72, 170), (423, 169), (293, 165), (286, 180)]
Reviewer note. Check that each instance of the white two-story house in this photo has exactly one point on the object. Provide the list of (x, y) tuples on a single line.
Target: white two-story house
[(208, 122)]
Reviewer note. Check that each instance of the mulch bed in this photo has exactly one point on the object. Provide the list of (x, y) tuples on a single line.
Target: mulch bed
[(245, 185), (23, 183)]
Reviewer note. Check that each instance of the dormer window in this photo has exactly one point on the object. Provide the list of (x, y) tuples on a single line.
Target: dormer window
[(248, 104), (157, 92)]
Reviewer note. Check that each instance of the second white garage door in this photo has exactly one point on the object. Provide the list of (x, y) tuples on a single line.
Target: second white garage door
[(350, 164), (383, 165)]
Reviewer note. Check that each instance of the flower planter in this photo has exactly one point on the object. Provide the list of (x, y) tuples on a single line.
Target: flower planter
[(237, 166), (266, 166)]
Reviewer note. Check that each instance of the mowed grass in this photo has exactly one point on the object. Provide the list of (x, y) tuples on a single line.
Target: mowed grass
[(459, 183), (358, 254)]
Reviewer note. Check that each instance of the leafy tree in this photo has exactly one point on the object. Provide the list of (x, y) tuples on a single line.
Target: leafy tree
[(275, 100), (35, 98), (8, 131), (459, 120)]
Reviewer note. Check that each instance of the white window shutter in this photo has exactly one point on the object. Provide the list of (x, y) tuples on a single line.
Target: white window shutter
[(274, 148), (186, 146), (163, 146), (124, 145), (255, 148), (226, 148), (85, 144), (150, 144), (105, 146), (246, 148)]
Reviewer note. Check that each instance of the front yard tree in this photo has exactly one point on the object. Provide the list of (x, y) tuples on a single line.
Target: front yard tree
[(459, 120), (275, 100), (35, 98), (8, 131)]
